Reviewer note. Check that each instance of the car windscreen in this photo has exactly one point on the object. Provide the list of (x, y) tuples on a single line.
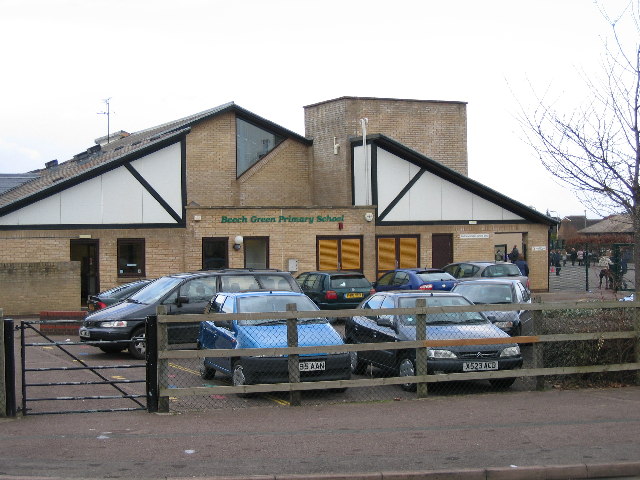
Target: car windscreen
[(441, 318), (349, 282), (154, 292), (435, 277), (503, 270), (486, 293), (273, 303)]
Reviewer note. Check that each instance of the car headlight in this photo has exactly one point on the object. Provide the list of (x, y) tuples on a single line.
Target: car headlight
[(440, 354), (114, 324), (511, 351), (503, 324)]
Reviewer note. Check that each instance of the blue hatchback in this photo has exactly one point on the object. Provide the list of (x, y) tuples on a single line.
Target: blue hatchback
[(269, 333), (415, 279)]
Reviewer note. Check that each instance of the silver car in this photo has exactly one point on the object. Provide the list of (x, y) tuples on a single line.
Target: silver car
[(464, 271), (500, 291)]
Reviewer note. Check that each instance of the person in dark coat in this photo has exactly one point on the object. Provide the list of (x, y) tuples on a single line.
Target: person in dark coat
[(513, 256), (523, 266)]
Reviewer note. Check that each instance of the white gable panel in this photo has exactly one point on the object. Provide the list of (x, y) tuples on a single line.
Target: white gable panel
[(121, 197), (43, 212), (393, 175), (457, 203), (153, 212), (82, 203), (486, 210), (359, 176), (163, 171)]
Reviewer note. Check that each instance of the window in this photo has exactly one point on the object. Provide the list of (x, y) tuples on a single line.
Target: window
[(214, 253), (131, 257), (252, 143)]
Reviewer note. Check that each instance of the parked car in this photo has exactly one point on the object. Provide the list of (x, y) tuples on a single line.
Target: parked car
[(415, 279), (628, 298), (463, 271), (397, 328), (335, 290), (269, 333), (123, 324), (501, 291), (114, 295)]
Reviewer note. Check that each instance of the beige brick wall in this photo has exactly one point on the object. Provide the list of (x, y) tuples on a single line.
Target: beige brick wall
[(466, 249), (211, 170), (22, 287), (435, 129)]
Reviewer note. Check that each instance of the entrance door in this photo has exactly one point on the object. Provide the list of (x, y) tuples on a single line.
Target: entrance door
[(397, 252), (441, 249), (256, 252), (86, 252)]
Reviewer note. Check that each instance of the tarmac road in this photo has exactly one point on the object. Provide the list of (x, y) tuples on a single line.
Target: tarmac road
[(462, 434)]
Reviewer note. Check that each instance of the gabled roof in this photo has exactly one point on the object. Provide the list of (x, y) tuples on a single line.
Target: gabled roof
[(9, 181), (456, 178), (612, 224), (100, 158)]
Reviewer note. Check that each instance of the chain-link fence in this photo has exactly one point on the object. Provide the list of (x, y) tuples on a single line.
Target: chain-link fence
[(404, 352), (593, 269)]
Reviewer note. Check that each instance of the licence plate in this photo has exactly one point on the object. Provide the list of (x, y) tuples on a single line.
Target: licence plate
[(354, 295), (83, 332), (312, 366), (478, 366)]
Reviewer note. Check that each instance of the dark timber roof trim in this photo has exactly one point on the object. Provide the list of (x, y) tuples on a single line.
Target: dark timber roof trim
[(97, 160), (456, 178)]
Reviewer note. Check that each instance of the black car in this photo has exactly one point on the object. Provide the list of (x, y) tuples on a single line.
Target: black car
[(114, 295), (123, 324), (446, 326), (335, 290)]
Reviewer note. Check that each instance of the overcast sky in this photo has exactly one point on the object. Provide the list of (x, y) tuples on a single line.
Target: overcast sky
[(161, 60)]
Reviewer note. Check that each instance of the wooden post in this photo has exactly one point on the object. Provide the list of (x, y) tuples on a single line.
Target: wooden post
[(163, 363), (422, 388), (293, 360), (537, 348), (3, 382)]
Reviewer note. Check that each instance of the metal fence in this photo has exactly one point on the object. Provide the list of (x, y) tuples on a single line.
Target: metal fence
[(396, 354), (595, 270)]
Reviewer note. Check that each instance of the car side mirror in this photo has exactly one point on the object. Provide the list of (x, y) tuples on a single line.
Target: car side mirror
[(223, 324), (181, 300), (385, 321)]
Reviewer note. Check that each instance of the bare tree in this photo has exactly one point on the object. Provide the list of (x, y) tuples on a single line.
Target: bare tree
[(595, 149)]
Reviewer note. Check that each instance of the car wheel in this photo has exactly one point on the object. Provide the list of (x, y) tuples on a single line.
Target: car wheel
[(357, 366), (138, 344), (111, 348), (238, 378), (407, 368), (207, 372), (502, 383)]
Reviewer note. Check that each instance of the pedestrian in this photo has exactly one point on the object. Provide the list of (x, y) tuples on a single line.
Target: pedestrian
[(523, 266), (555, 261), (564, 258), (499, 256), (513, 256), (574, 256), (580, 257)]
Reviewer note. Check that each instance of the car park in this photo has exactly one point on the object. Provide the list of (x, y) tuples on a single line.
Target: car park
[(415, 279), (269, 333), (114, 295), (464, 271), (501, 291), (123, 325), (335, 290), (445, 359)]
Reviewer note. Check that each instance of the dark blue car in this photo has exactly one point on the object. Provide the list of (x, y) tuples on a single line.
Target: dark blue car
[(269, 333), (415, 279)]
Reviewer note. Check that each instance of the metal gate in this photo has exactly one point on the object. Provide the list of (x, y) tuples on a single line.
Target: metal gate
[(54, 374)]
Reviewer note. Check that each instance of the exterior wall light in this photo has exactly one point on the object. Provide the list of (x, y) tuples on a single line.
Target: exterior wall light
[(237, 245)]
